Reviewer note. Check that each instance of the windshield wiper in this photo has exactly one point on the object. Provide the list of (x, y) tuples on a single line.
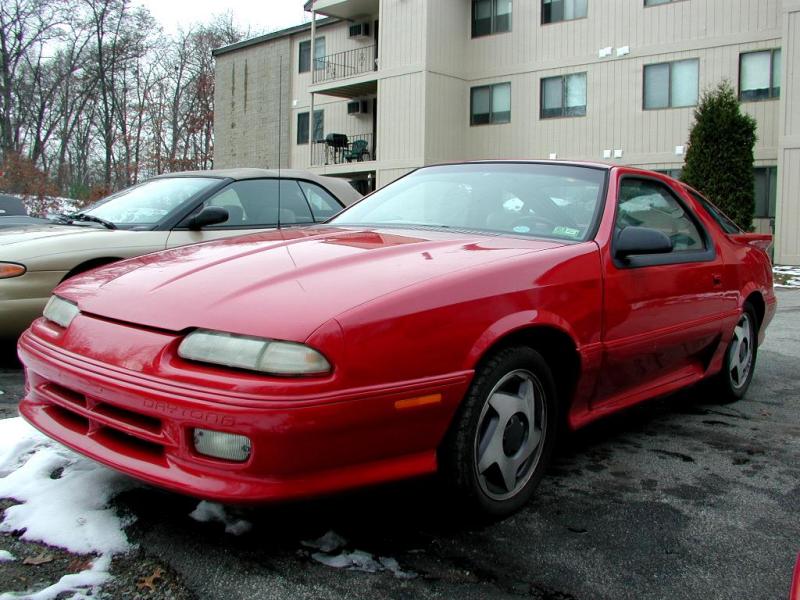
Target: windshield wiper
[(93, 219)]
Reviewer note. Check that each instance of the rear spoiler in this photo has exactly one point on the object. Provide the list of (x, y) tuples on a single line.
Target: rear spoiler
[(759, 240)]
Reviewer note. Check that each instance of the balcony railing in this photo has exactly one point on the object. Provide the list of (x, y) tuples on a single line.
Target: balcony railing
[(337, 149), (345, 64)]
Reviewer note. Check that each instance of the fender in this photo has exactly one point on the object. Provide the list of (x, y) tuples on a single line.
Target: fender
[(513, 323)]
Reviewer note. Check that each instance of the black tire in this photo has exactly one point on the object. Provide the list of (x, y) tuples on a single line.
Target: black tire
[(731, 384), (474, 437)]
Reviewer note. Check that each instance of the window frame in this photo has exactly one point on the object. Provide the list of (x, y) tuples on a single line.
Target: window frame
[(493, 26), (668, 2), (769, 170), (491, 87), (669, 84), (563, 114), (771, 96), (543, 22), (304, 66), (637, 261), (319, 113), (302, 141)]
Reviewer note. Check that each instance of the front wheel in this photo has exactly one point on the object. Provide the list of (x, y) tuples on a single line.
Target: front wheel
[(732, 381), (501, 439)]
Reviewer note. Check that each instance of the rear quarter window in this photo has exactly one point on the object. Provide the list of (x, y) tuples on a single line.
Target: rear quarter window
[(728, 226)]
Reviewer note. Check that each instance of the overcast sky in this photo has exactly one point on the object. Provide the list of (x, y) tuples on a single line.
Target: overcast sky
[(260, 17)]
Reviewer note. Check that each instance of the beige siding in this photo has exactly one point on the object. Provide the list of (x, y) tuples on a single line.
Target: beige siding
[(428, 62), (787, 247)]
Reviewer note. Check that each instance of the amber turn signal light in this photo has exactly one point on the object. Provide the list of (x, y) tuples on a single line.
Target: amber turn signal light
[(8, 270)]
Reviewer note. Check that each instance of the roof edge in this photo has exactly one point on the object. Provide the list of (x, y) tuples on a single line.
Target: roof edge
[(273, 36)]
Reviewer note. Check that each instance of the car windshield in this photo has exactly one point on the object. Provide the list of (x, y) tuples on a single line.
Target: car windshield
[(151, 202), (521, 199)]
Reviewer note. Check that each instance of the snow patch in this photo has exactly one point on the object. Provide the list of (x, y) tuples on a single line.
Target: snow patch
[(327, 543), (64, 497), (356, 560), (208, 512), (786, 277), (63, 502), (6, 556), (85, 581)]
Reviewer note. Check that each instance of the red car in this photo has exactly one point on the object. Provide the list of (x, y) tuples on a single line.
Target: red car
[(446, 322)]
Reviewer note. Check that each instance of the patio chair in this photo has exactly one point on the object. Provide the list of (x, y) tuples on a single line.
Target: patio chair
[(357, 151)]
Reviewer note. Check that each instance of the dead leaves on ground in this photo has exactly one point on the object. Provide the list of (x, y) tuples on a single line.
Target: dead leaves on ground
[(149, 582)]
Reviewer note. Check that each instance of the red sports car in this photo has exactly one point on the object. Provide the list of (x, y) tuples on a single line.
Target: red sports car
[(447, 322)]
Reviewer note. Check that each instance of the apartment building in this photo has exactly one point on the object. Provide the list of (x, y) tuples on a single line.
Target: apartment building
[(371, 89)]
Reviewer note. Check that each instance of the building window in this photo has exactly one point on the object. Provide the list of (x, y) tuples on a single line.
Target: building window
[(674, 173), (319, 125), (490, 104), (554, 11), (319, 53), (563, 96), (490, 16), (657, 2), (304, 58), (760, 75), (766, 191), (671, 85), (302, 127)]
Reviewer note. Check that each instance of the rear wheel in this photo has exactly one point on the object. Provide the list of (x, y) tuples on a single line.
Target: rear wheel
[(502, 437), (732, 381)]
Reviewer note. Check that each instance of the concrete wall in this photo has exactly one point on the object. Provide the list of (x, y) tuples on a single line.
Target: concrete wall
[(250, 95)]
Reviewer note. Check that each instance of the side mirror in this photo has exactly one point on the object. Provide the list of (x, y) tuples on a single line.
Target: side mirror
[(210, 215), (641, 240)]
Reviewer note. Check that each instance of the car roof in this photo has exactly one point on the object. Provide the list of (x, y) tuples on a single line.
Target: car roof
[(339, 186), (570, 163)]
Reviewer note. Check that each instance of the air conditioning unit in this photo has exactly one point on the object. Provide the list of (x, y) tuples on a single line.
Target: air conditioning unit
[(358, 107), (359, 30)]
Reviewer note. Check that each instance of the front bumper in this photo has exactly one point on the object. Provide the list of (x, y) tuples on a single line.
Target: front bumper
[(143, 426)]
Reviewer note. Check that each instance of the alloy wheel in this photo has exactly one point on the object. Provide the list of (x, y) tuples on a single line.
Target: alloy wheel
[(510, 435)]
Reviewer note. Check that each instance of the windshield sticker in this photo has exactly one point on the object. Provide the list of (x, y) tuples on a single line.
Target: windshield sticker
[(522, 229), (567, 231)]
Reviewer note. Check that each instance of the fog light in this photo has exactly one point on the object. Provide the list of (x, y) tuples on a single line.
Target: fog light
[(228, 446)]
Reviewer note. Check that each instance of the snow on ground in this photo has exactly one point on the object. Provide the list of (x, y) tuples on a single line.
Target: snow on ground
[(64, 501), (786, 277), (6, 556), (332, 554), (207, 512)]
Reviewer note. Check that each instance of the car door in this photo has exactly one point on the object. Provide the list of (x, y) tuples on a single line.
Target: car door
[(662, 312), (252, 205)]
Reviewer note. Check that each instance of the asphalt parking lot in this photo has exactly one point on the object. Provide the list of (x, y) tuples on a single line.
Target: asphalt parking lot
[(679, 498)]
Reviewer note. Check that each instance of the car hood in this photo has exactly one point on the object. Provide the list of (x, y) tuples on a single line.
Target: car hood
[(280, 284), (28, 242)]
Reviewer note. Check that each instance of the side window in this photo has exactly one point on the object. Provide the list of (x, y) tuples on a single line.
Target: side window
[(251, 203), (644, 203), (293, 206), (323, 205), (728, 226)]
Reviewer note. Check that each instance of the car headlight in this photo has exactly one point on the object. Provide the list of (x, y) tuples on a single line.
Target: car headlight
[(251, 353), (60, 311), (9, 270)]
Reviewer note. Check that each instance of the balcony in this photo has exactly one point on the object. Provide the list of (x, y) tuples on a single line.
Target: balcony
[(344, 9), (346, 74), (343, 149)]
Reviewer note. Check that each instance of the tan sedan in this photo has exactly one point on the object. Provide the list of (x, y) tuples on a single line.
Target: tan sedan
[(164, 212)]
